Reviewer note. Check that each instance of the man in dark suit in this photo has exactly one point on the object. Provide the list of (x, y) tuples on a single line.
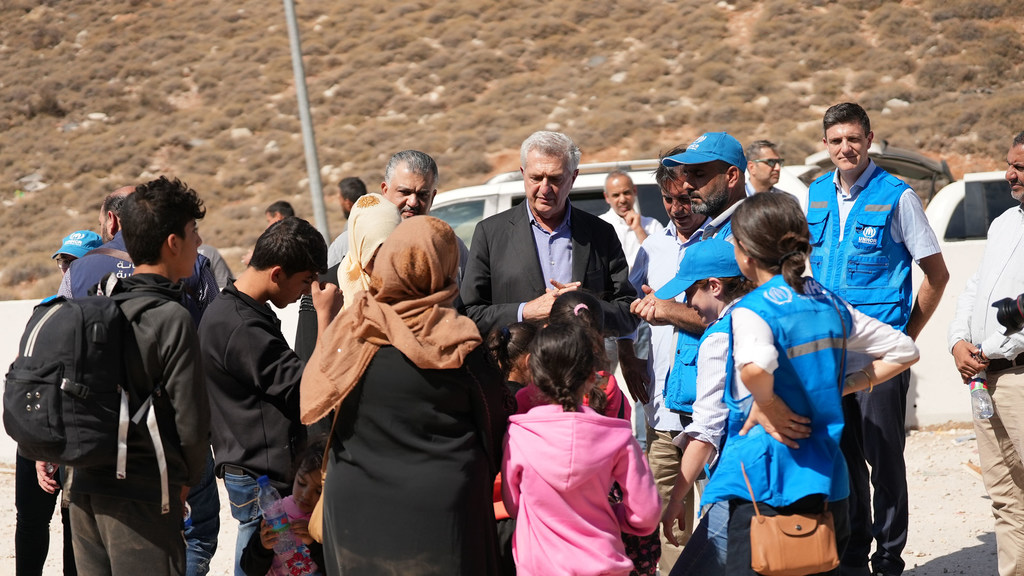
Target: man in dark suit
[(522, 259)]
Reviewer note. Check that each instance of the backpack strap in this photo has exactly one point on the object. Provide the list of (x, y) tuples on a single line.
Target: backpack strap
[(146, 409)]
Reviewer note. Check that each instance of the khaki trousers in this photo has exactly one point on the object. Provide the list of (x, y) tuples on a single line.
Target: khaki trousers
[(663, 457), (1000, 445)]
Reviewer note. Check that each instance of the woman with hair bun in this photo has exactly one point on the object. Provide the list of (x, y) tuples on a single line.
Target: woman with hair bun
[(789, 353)]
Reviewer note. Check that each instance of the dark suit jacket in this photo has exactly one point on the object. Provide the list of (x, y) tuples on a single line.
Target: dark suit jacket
[(503, 270)]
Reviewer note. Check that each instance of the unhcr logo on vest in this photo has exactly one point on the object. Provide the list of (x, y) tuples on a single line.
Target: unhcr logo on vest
[(868, 236), (779, 295)]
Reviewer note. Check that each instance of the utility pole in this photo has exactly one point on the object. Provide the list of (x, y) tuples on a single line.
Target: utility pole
[(308, 140)]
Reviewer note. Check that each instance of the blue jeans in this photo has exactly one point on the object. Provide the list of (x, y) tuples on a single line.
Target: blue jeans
[(243, 493), (201, 537), (705, 553)]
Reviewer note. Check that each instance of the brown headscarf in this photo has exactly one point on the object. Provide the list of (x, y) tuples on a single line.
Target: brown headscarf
[(408, 306)]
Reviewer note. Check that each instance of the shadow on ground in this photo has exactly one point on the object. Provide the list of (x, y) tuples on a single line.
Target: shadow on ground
[(977, 559)]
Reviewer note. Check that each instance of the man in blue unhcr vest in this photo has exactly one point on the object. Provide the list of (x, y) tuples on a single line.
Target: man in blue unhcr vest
[(866, 226)]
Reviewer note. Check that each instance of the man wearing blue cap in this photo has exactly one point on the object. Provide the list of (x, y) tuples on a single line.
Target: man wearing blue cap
[(866, 226), (713, 166), (74, 246)]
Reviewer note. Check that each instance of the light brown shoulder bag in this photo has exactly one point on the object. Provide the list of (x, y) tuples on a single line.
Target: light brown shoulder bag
[(792, 545)]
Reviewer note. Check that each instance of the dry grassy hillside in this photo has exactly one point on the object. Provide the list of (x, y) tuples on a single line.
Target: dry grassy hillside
[(94, 95)]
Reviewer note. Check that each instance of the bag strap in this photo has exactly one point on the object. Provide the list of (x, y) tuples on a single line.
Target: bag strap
[(327, 445), (147, 409), (749, 489)]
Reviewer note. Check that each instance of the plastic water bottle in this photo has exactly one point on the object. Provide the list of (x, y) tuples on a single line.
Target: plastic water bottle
[(275, 515), (981, 400)]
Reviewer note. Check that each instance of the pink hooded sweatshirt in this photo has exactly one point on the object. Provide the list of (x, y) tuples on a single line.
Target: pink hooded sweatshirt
[(558, 469)]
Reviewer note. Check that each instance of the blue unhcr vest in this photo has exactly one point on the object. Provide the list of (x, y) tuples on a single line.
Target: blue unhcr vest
[(724, 232), (868, 269), (88, 270), (681, 383), (809, 339)]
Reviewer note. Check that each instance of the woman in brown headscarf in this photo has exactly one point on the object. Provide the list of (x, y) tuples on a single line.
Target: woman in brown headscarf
[(415, 448)]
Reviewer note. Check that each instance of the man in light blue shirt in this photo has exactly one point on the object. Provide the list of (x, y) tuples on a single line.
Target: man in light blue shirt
[(523, 258), (656, 263)]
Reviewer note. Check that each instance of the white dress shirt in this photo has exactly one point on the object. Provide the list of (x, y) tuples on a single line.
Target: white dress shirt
[(628, 239), (1000, 275), (656, 263)]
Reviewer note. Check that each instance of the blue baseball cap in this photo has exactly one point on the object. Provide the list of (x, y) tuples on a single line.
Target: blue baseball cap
[(711, 258), (79, 243), (709, 147)]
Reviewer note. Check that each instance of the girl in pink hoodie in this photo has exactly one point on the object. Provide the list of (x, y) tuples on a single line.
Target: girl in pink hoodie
[(560, 462)]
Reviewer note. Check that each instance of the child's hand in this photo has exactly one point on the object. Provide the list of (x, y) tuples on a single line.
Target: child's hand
[(300, 529), (267, 536), (675, 512)]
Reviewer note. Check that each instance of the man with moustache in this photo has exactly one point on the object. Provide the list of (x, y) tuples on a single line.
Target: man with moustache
[(410, 183), (978, 344), (656, 263)]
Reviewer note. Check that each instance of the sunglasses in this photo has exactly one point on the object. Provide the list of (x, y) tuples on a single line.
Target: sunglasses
[(773, 162)]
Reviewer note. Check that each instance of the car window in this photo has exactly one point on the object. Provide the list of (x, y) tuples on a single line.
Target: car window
[(588, 200), (462, 217), (592, 200), (982, 203), (651, 204)]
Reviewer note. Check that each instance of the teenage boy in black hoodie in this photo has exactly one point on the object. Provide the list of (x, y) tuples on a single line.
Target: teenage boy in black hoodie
[(134, 525), (252, 375)]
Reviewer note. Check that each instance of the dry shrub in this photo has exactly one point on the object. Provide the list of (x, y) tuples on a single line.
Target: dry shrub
[(971, 9), (44, 38), (45, 103)]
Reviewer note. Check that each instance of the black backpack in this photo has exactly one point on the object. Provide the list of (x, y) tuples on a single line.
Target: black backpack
[(66, 398)]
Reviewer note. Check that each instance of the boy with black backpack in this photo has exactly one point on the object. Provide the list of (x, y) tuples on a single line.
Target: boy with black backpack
[(131, 523)]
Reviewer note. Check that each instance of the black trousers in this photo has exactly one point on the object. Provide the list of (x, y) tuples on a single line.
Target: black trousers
[(875, 434), (32, 525), (741, 511)]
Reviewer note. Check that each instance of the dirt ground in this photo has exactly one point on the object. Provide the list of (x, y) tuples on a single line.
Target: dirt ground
[(950, 514)]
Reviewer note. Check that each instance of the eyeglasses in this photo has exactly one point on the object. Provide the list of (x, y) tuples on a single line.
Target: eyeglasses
[(64, 262), (773, 162)]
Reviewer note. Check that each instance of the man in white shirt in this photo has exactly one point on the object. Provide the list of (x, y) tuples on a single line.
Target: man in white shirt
[(631, 228), (978, 344)]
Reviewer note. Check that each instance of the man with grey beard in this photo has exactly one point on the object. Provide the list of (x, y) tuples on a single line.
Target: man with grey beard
[(712, 168)]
